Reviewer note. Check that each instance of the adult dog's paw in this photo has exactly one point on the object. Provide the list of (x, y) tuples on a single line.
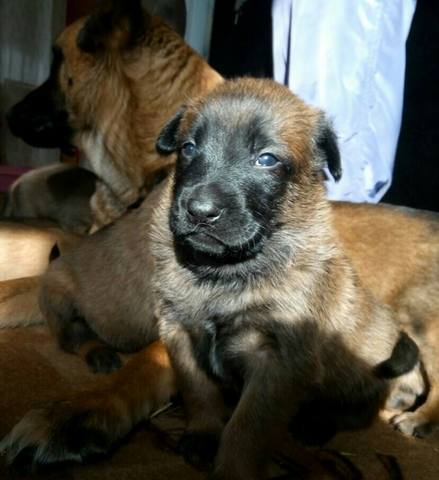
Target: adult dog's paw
[(415, 424), (65, 431)]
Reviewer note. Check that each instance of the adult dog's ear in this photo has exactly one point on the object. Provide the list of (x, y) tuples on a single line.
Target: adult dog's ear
[(327, 149), (172, 11), (116, 24), (166, 142)]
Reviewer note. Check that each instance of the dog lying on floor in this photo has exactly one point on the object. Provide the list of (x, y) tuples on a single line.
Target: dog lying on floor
[(116, 77), (244, 277)]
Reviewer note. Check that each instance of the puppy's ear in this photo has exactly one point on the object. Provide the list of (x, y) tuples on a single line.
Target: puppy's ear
[(327, 149), (166, 142), (117, 24)]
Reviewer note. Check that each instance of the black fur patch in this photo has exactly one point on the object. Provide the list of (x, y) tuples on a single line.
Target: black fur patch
[(71, 182), (136, 204), (54, 253), (99, 26), (167, 140), (199, 449), (327, 144), (41, 118), (318, 420), (405, 355), (103, 359)]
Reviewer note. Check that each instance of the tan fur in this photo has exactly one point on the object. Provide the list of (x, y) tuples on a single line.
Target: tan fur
[(119, 101), (60, 193), (396, 253), (107, 280), (19, 302), (25, 247), (24, 255)]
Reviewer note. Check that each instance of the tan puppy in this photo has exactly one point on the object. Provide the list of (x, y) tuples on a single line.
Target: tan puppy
[(60, 193), (251, 287), (254, 294), (116, 77)]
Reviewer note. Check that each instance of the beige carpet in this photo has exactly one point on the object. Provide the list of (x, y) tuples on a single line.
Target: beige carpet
[(34, 371)]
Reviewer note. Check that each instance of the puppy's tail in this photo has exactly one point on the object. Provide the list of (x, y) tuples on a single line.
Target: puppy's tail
[(19, 302)]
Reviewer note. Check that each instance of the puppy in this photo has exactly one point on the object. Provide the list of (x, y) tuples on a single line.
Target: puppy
[(60, 193), (254, 294)]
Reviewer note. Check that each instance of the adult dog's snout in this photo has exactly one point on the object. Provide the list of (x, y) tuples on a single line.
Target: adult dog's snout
[(41, 120), (205, 205), (24, 123)]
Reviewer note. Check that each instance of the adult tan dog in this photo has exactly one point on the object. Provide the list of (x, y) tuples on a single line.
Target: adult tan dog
[(116, 77), (268, 259)]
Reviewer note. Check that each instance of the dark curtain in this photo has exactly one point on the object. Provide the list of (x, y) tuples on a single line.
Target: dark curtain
[(241, 42), (416, 173)]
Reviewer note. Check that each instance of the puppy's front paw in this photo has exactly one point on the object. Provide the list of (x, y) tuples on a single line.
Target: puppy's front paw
[(63, 432), (199, 449), (415, 424)]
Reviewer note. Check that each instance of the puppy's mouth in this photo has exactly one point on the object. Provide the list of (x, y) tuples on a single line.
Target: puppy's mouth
[(206, 247)]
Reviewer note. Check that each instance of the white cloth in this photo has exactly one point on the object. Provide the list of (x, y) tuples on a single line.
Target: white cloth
[(348, 58)]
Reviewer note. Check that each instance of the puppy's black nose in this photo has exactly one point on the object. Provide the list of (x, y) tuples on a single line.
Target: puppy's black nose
[(203, 209)]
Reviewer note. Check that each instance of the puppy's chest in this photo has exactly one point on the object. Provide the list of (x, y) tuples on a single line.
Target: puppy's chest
[(215, 345), (216, 327)]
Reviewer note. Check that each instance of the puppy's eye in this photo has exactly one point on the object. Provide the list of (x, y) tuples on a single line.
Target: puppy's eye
[(189, 149), (70, 81), (266, 160)]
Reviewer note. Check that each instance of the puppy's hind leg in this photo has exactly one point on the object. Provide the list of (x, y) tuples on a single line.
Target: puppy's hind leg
[(71, 329)]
